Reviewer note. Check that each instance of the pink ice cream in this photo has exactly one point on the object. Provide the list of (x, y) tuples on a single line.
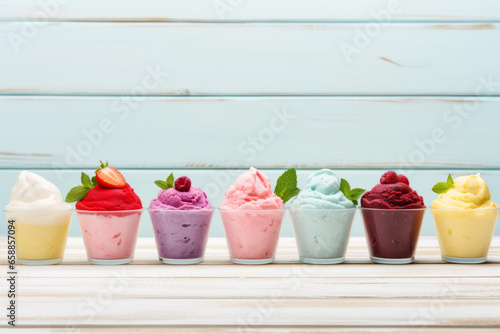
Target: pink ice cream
[(251, 191), (252, 215)]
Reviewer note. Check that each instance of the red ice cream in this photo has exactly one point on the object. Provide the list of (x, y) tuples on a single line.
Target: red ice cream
[(392, 233), (110, 199), (393, 192)]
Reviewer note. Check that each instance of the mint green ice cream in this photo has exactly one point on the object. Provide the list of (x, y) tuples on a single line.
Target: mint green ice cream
[(322, 191), (322, 219)]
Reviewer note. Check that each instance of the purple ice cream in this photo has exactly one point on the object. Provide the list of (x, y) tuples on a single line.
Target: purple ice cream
[(181, 218)]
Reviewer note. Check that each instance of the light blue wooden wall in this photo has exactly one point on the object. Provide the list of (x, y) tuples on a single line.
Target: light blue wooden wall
[(359, 86)]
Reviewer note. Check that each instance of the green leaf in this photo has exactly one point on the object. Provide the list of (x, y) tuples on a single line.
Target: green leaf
[(161, 184), (86, 181), (169, 183), (170, 180), (450, 180), (76, 194), (441, 187), (352, 195), (94, 181), (290, 193), (286, 186), (345, 188), (356, 193)]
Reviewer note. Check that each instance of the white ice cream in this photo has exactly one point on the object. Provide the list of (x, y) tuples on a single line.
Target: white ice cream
[(33, 193)]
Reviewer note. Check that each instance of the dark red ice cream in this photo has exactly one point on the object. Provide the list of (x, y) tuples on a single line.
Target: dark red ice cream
[(393, 192), (110, 199), (393, 228)]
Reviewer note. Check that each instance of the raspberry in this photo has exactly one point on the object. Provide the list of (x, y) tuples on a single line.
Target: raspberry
[(389, 177), (183, 184), (403, 179)]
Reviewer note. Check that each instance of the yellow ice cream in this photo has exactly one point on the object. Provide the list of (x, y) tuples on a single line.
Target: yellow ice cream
[(38, 242), (468, 192), (41, 220), (465, 218)]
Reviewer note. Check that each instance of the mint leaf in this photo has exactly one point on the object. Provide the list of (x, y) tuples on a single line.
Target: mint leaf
[(356, 194), (86, 181), (345, 188), (169, 183), (161, 184), (76, 194), (289, 194), (286, 186), (450, 180), (79, 192), (442, 187), (170, 180), (352, 195)]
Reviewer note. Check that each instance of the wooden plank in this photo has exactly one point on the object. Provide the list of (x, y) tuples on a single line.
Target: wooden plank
[(263, 329), (74, 311), (214, 182), (258, 288), (267, 132), (249, 59), (254, 10)]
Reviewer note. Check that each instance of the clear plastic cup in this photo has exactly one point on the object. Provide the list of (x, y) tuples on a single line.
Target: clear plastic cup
[(181, 235), (41, 236), (392, 234), (252, 235), (322, 236), (109, 236), (464, 235)]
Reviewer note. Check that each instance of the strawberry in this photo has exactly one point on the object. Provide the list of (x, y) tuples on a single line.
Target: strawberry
[(109, 177)]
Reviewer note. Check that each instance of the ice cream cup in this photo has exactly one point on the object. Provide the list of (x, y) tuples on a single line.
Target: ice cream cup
[(181, 235), (322, 235), (252, 235), (109, 236), (392, 234), (40, 236), (464, 235)]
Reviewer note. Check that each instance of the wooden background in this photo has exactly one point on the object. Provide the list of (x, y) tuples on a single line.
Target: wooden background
[(209, 88)]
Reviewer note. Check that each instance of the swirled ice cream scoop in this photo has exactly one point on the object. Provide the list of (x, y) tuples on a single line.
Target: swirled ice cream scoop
[(34, 193), (468, 192), (173, 199), (252, 191), (393, 192), (322, 191)]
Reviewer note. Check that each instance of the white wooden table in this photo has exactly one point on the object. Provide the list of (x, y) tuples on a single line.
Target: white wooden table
[(354, 297)]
